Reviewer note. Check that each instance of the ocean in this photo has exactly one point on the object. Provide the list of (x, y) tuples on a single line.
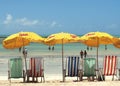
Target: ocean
[(52, 58)]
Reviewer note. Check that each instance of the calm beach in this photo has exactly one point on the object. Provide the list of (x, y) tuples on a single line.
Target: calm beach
[(52, 58)]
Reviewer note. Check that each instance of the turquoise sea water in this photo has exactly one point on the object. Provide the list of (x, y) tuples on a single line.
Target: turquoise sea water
[(52, 59)]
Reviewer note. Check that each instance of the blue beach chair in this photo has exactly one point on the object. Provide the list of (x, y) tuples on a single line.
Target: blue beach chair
[(15, 69), (72, 67)]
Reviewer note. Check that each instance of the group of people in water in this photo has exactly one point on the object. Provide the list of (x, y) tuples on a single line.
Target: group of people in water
[(51, 48), (83, 54)]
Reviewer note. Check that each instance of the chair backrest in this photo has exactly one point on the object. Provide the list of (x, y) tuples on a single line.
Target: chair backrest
[(89, 66), (36, 67), (109, 66), (72, 66), (15, 67)]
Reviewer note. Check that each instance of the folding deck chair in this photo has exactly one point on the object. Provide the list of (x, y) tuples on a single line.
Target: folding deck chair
[(88, 69), (72, 67), (36, 69), (15, 69), (109, 67)]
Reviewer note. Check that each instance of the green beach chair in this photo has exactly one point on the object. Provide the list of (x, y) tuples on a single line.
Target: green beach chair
[(15, 69), (72, 67), (88, 70)]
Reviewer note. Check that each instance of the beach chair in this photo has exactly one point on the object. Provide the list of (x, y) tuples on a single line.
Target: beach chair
[(15, 69), (109, 67), (72, 67), (89, 69), (36, 69)]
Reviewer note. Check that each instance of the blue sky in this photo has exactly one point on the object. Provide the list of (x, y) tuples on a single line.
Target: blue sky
[(51, 16)]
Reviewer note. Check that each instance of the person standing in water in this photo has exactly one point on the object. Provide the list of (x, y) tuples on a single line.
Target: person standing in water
[(85, 53), (81, 54), (25, 51)]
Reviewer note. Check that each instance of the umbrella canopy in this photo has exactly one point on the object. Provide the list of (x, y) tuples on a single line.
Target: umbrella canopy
[(117, 43), (21, 39), (94, 39), (61, 38)]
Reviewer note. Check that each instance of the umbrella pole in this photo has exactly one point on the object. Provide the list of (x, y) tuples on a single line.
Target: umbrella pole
[(62, 62), (97, 56), (97, 51), (25, 56)]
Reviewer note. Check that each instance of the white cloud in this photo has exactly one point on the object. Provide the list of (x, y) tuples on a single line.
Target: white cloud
[(53, 24), (112, 26), (8, 19), (26, 22)]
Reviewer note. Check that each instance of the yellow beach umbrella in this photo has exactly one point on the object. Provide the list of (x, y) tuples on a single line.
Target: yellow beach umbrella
[(61, 38), (94, 39), (117, 43), (33, 37), (14, 41), (21, 39)]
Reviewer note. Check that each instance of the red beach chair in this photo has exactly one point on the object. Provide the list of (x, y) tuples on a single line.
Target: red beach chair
[(110, 66), (36, 69)]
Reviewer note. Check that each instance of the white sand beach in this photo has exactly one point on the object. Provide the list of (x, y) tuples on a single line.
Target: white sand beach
[(57, 81)]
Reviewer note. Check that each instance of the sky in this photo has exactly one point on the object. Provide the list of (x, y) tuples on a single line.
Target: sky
[(46, 17)]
